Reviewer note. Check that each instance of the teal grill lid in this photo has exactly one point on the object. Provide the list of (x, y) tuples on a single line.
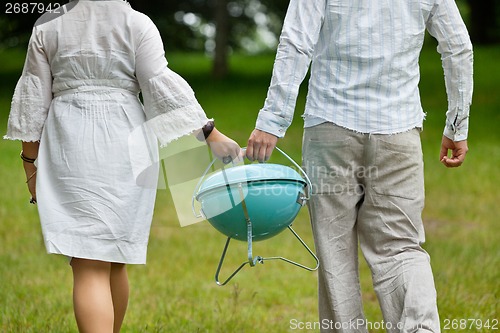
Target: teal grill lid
[(250, 173)]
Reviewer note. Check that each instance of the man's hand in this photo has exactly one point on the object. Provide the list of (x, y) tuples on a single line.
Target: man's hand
[(458, 151), (260, 145), (223, 147)]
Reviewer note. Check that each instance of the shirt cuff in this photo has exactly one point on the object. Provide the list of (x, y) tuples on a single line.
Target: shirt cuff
[(457, 133), (272, 123)]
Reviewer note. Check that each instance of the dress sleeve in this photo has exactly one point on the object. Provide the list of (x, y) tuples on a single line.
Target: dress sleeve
[(32, 95), (170, 105)]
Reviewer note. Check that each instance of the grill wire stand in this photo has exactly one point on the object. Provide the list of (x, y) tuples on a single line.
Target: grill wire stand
[(253, 261)]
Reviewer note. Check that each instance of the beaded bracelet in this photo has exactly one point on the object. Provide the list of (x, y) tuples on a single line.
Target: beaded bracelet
[(27, 159)]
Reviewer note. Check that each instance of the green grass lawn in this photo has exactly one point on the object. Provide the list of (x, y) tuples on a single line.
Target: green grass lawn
[(175, 291)]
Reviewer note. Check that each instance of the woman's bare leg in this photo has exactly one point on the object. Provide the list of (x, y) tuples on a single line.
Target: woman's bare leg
[(119, 293), (93, 303)]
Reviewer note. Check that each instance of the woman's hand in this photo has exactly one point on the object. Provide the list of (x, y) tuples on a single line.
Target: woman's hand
[(223, 147)]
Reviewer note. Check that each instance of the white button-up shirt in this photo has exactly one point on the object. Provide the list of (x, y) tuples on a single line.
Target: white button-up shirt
[(365, 71)]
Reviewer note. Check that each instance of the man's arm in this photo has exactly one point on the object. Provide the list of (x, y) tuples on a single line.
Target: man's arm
[(455, 47), (300, 33)]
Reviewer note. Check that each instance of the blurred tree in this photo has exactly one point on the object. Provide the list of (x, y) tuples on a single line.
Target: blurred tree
[(213, 26), (15, 26), (484, 22), (221, 67), (217, 26), (220, 26)]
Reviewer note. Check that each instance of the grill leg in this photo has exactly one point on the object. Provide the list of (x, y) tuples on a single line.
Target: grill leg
[(221, 261)]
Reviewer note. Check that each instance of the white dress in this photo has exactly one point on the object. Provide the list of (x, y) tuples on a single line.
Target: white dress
[(78, 95)]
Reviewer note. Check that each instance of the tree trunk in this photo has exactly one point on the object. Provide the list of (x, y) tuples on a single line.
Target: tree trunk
[(484, 23), (220, 67)]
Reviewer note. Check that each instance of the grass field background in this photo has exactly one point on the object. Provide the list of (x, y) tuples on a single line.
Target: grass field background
[(175, 291)]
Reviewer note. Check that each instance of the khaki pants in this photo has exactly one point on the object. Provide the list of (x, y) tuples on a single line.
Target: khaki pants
[(369, 188)]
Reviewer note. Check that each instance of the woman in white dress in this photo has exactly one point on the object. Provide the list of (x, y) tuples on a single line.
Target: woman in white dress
[(74, 109)]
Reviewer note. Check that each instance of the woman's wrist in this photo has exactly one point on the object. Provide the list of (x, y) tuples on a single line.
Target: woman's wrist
[(27, 159), (30, 177), (29, 169), (214, 136), (205, 131), (208, 129)]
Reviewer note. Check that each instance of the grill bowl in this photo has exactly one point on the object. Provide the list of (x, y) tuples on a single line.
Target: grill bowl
[(272, 194)]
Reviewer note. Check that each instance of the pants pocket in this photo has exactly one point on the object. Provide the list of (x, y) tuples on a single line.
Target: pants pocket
[(399, 165)]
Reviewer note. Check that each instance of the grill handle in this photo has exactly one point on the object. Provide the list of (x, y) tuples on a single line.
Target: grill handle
[(302, 199), (304, 174)]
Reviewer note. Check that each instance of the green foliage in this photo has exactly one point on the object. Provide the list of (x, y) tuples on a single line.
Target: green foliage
[(175, 291), (180, 33)]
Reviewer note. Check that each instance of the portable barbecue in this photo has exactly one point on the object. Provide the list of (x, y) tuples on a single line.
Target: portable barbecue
[(251, 203)]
